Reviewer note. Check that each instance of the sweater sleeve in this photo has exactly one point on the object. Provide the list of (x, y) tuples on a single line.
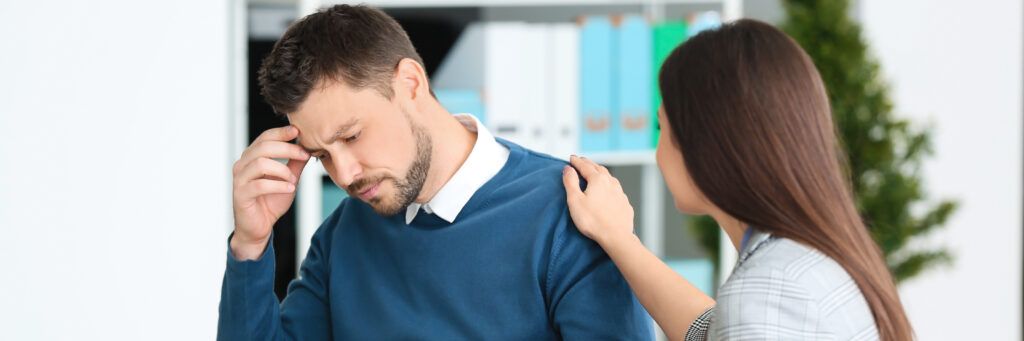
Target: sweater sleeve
[(249, 310), (589, 298)]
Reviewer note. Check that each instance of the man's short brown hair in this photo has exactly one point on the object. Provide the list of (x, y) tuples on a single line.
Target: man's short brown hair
[(358, 45)]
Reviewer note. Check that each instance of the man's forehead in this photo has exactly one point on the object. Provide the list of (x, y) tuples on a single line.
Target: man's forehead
[(336, 132)]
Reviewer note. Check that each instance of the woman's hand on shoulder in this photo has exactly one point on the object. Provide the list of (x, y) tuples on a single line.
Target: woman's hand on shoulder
[(602, 212)]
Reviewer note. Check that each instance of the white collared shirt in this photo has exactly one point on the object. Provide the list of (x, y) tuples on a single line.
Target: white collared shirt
[(484, 162)]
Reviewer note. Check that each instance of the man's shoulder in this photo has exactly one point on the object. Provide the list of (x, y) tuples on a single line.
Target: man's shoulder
[(536, 169)]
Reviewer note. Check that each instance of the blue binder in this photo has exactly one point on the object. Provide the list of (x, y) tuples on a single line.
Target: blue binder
[(597, 118), (633, 84)]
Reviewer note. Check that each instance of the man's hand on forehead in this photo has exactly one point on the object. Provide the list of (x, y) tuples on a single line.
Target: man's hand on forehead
[(263, 189)]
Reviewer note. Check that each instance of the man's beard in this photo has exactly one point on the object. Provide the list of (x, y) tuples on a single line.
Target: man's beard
[(407, 189)]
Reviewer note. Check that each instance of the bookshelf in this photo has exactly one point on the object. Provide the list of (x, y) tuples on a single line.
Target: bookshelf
[(651, 228)]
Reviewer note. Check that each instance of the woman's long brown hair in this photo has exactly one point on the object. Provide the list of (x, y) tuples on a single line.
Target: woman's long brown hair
[(750, 114)]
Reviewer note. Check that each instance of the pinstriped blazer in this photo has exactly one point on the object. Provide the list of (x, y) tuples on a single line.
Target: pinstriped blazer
[(783, 290)]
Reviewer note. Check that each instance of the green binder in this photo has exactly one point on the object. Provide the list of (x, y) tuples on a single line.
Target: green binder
[(667, 36)]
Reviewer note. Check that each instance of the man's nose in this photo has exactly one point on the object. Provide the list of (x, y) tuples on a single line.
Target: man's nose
[(347, 168)]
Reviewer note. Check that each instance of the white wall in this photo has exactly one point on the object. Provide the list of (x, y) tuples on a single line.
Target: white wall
[(114, 168), (957, 64)]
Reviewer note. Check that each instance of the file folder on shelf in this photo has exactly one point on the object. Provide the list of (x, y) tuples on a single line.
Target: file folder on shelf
[(563, 101), (633, 84), (491, 57), (596, 93)]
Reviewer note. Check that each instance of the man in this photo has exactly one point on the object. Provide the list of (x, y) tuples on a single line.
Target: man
[(449, 233)]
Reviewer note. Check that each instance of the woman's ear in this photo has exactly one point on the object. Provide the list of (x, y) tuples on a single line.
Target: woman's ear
[(410, 79)]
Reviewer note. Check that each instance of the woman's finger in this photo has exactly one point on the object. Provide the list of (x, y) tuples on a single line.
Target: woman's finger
[(599, 168), (572, 184), (584, 167)]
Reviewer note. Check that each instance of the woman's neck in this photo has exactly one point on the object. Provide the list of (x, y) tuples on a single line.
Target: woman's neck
[(733, 227)]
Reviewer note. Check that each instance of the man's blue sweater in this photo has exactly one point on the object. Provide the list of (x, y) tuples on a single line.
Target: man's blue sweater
[(511, 267)]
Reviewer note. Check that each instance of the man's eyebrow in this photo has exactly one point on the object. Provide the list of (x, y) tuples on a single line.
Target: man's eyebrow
[(342, 129)]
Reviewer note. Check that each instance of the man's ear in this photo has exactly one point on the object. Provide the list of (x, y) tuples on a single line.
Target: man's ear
[(410, 79)]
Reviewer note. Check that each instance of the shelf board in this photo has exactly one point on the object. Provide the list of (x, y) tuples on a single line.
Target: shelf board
[(632, 158)]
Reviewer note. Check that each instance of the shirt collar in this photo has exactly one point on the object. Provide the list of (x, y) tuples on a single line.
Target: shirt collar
[(754, 241), (746, 237), (484, 161)]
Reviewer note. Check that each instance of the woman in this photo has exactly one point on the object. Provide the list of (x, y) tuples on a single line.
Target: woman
[(749, 140)]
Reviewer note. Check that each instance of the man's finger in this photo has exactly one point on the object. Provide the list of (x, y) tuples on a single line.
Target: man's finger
[(263, 168), (260, 187), (286, 133), (273, 150), (296, 166)]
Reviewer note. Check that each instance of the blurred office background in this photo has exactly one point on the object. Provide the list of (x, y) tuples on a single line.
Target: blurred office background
[(120, 120)]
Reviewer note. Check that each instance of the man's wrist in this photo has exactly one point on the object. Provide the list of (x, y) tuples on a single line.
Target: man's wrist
[(244, 249)]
